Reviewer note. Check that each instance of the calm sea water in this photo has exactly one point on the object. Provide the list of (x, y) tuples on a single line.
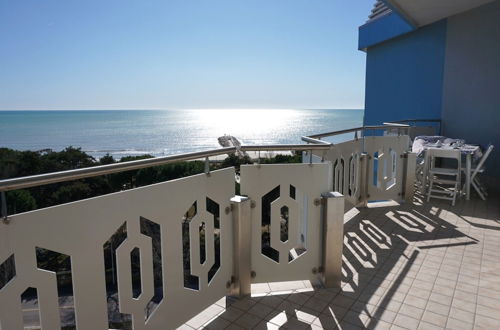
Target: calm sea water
[(136, 132)]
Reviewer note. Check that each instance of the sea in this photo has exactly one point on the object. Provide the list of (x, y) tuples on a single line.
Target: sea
[(165, 132)]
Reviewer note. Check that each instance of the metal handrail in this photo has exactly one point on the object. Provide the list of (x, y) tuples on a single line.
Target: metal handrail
[(417, 120), (344, 131), (309, 139), (88, 172), (282, 147), (356, 129), (395, 124)]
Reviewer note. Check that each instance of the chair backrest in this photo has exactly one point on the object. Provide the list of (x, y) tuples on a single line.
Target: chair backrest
[(485, 156), (434, 153)]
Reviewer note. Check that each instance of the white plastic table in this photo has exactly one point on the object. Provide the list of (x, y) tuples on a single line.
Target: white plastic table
[(422, 143)]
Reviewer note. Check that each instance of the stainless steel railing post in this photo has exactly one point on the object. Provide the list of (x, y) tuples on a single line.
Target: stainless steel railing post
[(409, 176), (242, 240), (4, 214), (333, 238), (207, 166), (364, 166)]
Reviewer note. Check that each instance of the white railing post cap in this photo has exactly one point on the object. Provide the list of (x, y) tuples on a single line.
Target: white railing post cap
[(332, 194), (239, 199)]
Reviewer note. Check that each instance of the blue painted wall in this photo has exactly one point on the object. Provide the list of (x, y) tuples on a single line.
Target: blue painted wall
[(404, 76), (384, 28)]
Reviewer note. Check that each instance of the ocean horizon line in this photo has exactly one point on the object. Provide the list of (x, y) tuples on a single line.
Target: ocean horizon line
[(179, 109)]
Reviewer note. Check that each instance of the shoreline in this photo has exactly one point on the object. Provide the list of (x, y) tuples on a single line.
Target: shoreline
[(254, 155)]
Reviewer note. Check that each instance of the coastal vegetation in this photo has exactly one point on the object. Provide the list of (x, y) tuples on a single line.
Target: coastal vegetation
[(15, 163)]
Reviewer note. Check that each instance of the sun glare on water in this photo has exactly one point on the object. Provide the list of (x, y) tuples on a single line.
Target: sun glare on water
[(245, 122)]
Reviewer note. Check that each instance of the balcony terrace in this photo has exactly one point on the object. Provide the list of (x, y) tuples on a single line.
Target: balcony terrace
[(340, 241)]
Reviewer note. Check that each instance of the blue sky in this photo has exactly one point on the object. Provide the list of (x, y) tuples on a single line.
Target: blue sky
[(171, 54)]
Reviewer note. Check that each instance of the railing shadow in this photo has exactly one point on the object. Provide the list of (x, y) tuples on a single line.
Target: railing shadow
[(383, 251), (395, 236)]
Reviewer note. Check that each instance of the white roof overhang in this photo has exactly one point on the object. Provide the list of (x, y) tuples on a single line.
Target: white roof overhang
[(423, 12)]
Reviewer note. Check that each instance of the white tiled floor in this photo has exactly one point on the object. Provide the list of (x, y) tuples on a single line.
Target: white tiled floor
[(418, 266)]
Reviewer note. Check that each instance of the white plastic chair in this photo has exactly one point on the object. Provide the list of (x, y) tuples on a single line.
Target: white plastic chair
[(419, 173), (443, 176), (479, 169)]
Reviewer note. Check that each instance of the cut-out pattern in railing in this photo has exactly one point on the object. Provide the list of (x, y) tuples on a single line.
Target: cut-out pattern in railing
[(135, 269), (339, 175), (116, 320), (385, 170), (201, 232), (286, 223), (300, 249), (285, 213), (353, 177), (152, 229), (60, 264), (7, 271), (190, 281), (214, 209), (345, 160), (376, 165), (31, 314), (266, 248), (393, 160)]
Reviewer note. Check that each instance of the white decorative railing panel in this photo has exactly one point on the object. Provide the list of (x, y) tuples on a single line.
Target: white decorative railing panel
[(286, 219), (147, 258), (385, 179), (345, 158)]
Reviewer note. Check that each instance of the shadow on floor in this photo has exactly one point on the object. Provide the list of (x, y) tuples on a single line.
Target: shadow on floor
[(384, 249)]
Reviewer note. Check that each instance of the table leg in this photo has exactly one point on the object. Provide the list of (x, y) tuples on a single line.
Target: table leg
[(425, 173), (468, 160)]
